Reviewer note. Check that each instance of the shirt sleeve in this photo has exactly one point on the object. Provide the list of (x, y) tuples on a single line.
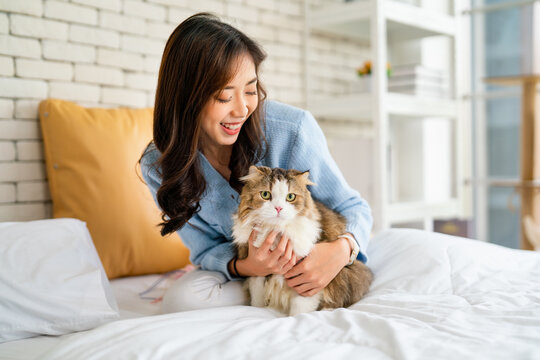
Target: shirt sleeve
[(310, 152), (207, 247)]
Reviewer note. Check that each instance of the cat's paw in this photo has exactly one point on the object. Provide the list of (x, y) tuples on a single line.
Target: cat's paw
[(297, 310), (256, 291), (303, 304), (257, 302)]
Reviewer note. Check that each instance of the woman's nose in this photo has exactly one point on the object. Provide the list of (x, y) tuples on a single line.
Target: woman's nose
[(240, 107)]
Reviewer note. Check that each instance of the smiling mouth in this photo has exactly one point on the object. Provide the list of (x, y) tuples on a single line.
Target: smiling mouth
[(231, 126)]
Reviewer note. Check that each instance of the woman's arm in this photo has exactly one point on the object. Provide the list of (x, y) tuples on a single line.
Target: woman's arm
[(207, 247), (310, 152), (213, 251), (320, 267)]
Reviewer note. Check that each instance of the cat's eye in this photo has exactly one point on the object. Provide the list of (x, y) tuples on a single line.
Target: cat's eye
[(266, 195), (291, 197)]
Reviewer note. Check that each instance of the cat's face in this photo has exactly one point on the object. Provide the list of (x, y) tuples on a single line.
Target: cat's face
[(275, 195)]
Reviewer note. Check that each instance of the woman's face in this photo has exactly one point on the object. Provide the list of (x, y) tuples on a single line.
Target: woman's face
[(223, 116)]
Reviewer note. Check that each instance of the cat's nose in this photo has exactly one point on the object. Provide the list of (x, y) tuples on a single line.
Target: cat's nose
[(278, 209)]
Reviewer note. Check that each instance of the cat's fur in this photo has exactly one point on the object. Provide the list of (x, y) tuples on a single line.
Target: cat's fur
[(305, 222)]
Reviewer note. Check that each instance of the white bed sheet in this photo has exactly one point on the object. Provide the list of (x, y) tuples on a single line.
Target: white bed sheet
[(434, 297), (130, 304)]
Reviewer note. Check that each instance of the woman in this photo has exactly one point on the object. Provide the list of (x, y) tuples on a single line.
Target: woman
[(211, 122)]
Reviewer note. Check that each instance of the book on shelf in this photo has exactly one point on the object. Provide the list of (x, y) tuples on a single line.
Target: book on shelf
[(417, 70)]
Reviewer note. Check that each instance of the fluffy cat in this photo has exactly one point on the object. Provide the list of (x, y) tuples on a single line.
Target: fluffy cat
[(277, 199)]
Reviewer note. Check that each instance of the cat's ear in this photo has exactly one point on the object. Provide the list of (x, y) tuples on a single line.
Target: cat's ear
[(254, 173), (305, 178)]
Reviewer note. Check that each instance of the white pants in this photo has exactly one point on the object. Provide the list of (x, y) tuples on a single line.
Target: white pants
[(201, 289)]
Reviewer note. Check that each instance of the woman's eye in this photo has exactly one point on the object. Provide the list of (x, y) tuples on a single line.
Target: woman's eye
[(223, 101), (265, 195), (251, 93), (291, 197)]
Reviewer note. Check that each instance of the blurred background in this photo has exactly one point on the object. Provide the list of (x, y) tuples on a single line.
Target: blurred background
[(422, 101)]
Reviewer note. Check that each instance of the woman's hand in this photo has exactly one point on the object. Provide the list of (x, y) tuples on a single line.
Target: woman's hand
[(262, 261), (321, 266)]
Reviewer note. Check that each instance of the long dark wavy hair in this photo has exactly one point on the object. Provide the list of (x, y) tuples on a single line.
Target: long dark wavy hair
[(198, 62)]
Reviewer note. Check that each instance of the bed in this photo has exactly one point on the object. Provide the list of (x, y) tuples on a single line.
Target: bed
[(434, 297)]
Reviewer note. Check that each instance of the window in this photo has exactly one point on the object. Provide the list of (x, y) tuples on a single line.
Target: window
[(501, 34)]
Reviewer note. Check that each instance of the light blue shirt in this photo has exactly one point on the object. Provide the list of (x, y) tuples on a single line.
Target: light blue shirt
[(295, 141)]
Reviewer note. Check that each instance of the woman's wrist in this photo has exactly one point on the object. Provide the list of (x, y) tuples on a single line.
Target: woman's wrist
[(239, 268), (233, 268), (345, 247), (244, 268), (230, 267)]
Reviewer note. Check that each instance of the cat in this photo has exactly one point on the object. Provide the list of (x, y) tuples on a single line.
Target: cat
[(277, 199)]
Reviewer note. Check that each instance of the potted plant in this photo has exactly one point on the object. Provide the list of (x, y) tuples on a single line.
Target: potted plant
[(364, 76)]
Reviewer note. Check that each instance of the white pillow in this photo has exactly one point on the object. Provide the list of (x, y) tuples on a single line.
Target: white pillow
[(51, 280)]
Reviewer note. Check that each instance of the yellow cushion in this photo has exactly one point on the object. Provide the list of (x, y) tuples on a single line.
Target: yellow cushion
[(92, 167)]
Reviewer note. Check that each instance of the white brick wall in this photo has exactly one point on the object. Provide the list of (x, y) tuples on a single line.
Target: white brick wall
[(94, 36), (141, 45), (99, 75), (47, 70), (74, 91), (17, 171), (144, 10), (69, 12), (125, 97), (30, 26), (26, 109), (30, 150), (19, 130), (114, 5), (6, 108), (30, 7), (120, 59), (122, 23), (7, 193), (22, 88), (19, 47), (25, 211), (4, 24), (33, 191), (56, 50), (6, 66), (107, 53), (7, 151)]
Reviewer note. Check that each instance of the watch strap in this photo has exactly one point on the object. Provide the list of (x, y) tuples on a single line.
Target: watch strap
[(354, 246)]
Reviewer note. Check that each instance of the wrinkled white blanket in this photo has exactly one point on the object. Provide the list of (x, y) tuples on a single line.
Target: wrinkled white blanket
[(434, 297)]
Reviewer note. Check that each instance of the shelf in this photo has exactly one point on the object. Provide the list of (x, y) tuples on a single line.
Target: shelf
[(409, 105), (352, 107), (357, 106), (415, 211), (405, 22), (347, 129), (375, 24)]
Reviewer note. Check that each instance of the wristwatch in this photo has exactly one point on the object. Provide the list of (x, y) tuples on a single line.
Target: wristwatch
[(354, 246)]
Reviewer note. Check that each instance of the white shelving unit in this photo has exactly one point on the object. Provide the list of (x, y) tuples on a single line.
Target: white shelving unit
[(381, 23)]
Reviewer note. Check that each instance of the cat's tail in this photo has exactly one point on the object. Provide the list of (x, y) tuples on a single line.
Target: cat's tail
[(532, 230), (348, 287)]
